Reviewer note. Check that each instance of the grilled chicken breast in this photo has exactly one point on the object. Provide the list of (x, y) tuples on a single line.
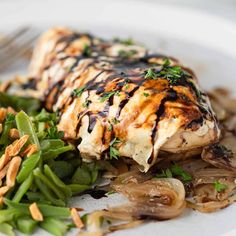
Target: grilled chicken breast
[(119, 99)]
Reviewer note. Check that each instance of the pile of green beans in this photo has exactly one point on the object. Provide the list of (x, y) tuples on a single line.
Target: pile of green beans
[(48, 177)]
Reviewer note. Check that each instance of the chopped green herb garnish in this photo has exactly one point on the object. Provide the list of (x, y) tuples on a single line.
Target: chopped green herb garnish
[(110, 192), (164, 174), (87, 50), (146, 94), (150, 74), (86, 103), (175, 171), (9, 118), (107, 95), (114, 153), (128, 41), (178, 171), (78, 92), (53, 133), (171, 73), (166, 62), (115, 121), (127, 86), (219, 187), (127, 53), (110, 127)]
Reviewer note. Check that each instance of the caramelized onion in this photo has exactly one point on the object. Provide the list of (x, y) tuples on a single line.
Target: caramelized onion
[(220, 156), (209, 206), (128, 225), (155, 198)]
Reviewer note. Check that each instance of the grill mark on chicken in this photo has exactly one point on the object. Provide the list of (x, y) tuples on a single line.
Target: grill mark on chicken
[(194, 124), (92, 122), (170, 96), (126, 100), (68, 39)]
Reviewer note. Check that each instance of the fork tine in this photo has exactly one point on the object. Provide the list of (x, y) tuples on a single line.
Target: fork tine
[(12, 55), (16, 41), (5, 41)]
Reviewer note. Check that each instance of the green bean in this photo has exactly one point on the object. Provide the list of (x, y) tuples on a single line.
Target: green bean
[(62, 169), (28, 166), (9, 214), (23, 188), (54, 226), (7, 229), (26, 224), (47, 210), (29, 105), (82, 176), (41, 127), (9, 123), (54, 211), (36, 197), (53, 153), (94, 170), (37, 172), (49, 173), (45, 116), (9, 194), (94, 175), (51, 144), (47, 193), (25, 126), (78, 188), (22, 207)]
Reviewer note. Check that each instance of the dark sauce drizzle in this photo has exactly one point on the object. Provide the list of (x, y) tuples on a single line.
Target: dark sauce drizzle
[(120, 70), (171, 96)]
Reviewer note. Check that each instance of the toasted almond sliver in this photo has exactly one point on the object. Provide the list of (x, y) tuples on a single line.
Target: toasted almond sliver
[(35, 212), (13, 171), (11, 110), (1, 201), (4, 190), (5, 158), (18, 144), (76, 218), (29, 150), (3, 171), (14, 134), (3, 113)]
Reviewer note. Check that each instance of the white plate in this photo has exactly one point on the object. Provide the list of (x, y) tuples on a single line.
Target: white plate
[(203, 42)]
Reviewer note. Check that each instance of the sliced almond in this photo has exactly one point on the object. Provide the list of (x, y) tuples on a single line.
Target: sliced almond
[(17, 145), (4, 190), (13, 171), (76, 218), (35, 212), (0, 128), (5, 158), (11, 110), (1, 201), (14, 134), (29, 150), (3, 113), (3, 171)]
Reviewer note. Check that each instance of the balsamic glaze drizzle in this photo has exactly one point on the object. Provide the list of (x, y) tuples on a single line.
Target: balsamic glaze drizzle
[(122, 71)]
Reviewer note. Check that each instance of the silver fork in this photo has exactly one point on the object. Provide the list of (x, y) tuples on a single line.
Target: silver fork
[(15, 46)]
